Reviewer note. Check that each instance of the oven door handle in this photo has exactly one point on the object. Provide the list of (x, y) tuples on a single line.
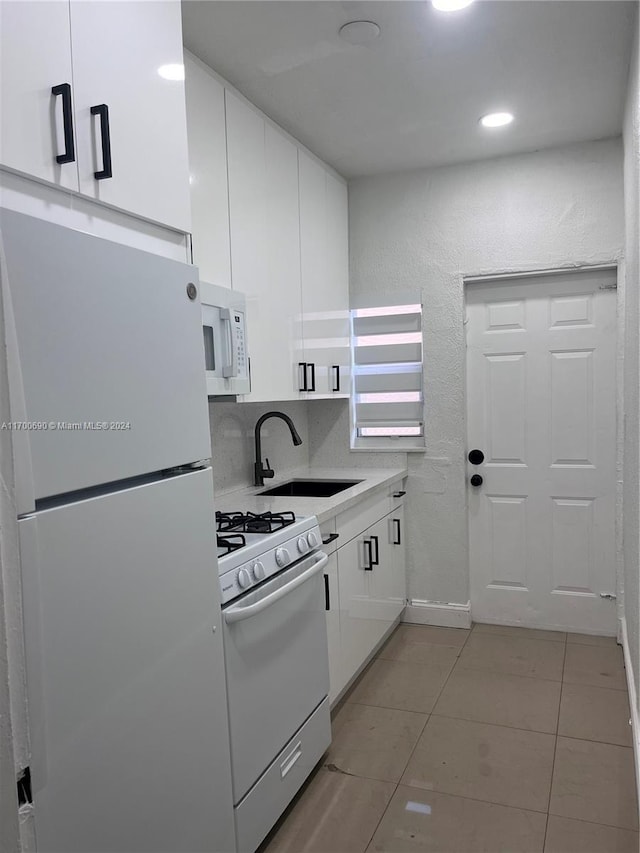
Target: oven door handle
[(239, 614)]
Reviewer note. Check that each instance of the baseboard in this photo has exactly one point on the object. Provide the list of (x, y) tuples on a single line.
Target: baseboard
[(437, 613), (633, 703)]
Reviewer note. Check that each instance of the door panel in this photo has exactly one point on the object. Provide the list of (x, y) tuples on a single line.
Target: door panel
[(359, 630), (120, 322), (337, 679), (541, 404), (208, 174), (118, 49), (125, 677), (35, 56)]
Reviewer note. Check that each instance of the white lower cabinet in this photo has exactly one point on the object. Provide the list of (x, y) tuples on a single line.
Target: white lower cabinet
[(337, 670), (366, 587), (359, 627)]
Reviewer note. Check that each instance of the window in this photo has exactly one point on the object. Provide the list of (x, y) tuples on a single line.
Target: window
[(387, 400)]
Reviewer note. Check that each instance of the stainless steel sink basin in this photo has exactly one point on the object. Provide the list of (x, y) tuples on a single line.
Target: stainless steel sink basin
[(310, 488)]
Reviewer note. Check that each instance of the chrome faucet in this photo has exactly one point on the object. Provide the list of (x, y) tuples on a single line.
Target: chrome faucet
[(260, 471)]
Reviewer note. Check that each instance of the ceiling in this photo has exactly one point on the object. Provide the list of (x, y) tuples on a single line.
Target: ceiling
[(413, 97)]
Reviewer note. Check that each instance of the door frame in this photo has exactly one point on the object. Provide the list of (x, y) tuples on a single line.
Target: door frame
[(617, 266)]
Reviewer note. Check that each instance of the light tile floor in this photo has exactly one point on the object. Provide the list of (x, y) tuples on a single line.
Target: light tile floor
[(494, 740)]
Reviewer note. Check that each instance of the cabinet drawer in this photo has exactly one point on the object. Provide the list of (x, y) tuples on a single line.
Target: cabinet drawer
[(353, 521), (265, 802)]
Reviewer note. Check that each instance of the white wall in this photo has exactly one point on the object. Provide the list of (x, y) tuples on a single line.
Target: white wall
[(631, 525), (426, 230)]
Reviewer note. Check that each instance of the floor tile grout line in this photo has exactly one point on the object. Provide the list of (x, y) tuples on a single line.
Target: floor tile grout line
[(555, 749), (384, 811)]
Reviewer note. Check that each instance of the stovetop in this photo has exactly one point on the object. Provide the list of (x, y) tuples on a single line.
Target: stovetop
[(254, 546), (253, 522)]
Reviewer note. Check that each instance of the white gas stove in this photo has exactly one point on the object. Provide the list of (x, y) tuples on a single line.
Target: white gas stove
[(253, 547), (275, 646)]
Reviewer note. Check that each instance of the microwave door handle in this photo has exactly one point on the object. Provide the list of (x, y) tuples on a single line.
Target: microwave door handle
[(230, 369)]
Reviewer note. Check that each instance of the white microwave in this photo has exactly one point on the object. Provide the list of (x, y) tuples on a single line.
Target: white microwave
[(224, 328)]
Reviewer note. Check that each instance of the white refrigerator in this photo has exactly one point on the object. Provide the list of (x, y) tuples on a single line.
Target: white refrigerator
[(125, 669)]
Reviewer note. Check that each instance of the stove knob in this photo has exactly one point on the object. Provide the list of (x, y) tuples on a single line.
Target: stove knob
[(302, 545), (282, 557), (312, 539), (244, 579), (258, 571)]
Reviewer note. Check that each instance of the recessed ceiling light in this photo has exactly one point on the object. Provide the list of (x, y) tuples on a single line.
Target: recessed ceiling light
[(172, 72), (360, 32), (496, 119), (450, 5)]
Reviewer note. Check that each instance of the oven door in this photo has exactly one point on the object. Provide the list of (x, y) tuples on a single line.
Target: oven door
[(275, 642)]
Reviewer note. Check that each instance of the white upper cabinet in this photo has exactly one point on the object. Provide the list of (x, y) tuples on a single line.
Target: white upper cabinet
[(325, 279), (118, 52), (247, 198), (208, 174), (126, 123), (35, 56), (287, 227), (278, 377)]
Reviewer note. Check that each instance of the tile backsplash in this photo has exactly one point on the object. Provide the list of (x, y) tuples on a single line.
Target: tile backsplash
[(232, 440)]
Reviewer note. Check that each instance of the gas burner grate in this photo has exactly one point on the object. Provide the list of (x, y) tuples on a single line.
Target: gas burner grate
[(252, 522), (231, 542)]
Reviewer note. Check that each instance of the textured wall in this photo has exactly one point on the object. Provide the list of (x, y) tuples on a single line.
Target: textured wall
[(631, 526), (232, 440), (424, 231)]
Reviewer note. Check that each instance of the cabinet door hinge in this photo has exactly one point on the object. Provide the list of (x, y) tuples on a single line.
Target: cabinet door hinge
[(608, 287)]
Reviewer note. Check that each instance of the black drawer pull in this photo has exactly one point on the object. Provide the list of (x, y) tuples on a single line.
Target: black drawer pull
[(327, 597), (331, 538), (368, 556), (312, 365), (399, 494), (336, 386), (102, 110), (398, 539), (69, 155), (303, 365), (375, 561)]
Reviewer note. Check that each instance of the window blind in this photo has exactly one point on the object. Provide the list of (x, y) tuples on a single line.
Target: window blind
[(387, 356)]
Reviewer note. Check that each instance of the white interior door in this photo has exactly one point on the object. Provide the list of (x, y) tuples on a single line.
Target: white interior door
[(541, 406)]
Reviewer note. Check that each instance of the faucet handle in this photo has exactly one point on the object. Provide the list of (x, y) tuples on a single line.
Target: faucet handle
[(268, 471)]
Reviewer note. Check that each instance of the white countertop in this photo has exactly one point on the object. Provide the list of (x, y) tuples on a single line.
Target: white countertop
[(372, 481)]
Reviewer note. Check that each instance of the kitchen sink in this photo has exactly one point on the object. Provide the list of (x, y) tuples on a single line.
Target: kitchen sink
[(310, 488)]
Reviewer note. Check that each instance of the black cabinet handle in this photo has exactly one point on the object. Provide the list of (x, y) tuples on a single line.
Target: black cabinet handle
[(69, 155), (303, 365), (312, 365), (331, 538), (102, 110), (327, 597), (368, 556), (398, 538), (375, 561), (336, 385), (399, 494)]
